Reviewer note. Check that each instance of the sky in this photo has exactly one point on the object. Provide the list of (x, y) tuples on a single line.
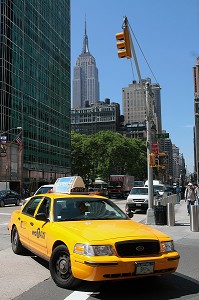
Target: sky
[(168, 35)]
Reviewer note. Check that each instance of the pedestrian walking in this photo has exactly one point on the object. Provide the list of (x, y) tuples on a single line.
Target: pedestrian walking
[(178, 193), (197, 194), (189, 196)]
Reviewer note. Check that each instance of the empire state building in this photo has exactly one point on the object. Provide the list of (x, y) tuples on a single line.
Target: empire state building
[(85, 78)]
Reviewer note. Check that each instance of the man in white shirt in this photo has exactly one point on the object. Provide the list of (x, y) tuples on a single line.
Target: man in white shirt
[(189, 196)]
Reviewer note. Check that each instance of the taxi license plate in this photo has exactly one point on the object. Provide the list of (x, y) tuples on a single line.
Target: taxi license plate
[(144, 267)]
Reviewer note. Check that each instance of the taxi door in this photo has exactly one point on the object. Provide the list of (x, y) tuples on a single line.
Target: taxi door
[(26, 217), (38, 229)]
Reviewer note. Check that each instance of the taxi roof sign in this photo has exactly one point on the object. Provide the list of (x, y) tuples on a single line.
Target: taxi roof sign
[(66, 184)]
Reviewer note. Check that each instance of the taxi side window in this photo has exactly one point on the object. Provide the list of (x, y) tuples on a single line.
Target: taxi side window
[(45, 207), (31, 206)]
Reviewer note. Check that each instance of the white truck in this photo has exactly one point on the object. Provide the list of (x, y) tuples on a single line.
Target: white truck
[(120, 186), (158, 187)]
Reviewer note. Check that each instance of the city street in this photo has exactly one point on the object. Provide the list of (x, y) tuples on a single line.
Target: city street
[(28, 278), (83, 120)]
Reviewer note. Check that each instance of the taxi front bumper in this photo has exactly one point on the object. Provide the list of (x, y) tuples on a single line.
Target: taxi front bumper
[(114, 268)]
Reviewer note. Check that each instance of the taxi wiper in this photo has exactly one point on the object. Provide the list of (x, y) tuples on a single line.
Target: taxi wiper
[(71, 219)]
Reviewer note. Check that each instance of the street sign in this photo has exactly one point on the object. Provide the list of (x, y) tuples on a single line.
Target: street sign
[(154, 148), (162, 135)]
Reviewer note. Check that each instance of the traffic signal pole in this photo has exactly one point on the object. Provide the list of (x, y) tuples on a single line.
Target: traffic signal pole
[(125, 47), (150, 217)]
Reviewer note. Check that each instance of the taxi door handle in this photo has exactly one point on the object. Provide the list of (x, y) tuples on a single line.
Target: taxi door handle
[(31, 223)]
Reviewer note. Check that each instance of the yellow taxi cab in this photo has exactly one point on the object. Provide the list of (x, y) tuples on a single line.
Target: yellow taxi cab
[(88, 237)]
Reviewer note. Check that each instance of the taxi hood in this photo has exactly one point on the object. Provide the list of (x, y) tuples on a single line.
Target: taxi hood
[(103, 230)]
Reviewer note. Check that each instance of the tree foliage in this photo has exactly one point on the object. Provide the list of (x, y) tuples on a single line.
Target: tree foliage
[(106, 153)]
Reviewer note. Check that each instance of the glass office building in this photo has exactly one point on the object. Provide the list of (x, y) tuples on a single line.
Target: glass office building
[(35, 83)]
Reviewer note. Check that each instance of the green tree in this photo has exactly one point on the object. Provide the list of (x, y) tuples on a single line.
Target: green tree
[(106, 153), (81, 163)]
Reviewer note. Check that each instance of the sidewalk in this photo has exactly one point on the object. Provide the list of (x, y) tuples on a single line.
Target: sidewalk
[(182, 229)]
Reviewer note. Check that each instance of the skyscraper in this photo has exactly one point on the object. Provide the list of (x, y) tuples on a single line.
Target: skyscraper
[(85, 78), (134, 104), (35, 83)]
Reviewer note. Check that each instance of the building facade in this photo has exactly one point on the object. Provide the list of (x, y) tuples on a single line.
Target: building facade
[(35, 84), (165, 146), (176, 154), (134, 104), (85, 78), (156, 89), (136, 130), (196, 116), (101, 116)]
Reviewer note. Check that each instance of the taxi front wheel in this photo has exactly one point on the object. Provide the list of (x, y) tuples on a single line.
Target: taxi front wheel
[(60, 268)]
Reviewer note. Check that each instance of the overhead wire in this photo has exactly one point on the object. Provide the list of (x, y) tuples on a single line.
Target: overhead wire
[(132, 68), (142, 53)]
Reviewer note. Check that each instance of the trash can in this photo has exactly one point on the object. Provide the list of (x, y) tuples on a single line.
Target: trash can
[(160, 212)]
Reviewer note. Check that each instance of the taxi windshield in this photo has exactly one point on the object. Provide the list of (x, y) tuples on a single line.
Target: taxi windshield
[(66, 209)]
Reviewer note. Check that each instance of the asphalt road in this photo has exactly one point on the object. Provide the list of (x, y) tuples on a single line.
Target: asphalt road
[(28, 278)]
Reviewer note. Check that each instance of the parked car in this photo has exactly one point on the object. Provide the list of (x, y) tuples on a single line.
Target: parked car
[(9, 197), (46, 188)]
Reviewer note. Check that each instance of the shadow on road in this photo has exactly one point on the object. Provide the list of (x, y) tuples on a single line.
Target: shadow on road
[(166, 287)]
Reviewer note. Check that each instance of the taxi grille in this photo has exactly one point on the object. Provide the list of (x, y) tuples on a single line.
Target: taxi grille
[(137, 248)]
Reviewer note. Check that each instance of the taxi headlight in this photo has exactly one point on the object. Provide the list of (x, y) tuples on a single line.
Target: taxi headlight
[(167, 246), (129, 200), (94, 250)]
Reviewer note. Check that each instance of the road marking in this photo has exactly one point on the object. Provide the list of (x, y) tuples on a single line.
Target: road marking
[(78, 295), (3, 224), (6, 214)]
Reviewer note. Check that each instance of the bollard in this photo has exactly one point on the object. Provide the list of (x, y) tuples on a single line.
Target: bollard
[(194, 222), (170, 214)]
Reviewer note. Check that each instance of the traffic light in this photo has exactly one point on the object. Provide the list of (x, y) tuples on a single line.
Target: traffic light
[(163, 160), (124, 46), (151, 160)]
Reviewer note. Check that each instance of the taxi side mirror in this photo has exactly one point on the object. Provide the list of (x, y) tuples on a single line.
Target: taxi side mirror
[(130, 214), (41, 217)]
